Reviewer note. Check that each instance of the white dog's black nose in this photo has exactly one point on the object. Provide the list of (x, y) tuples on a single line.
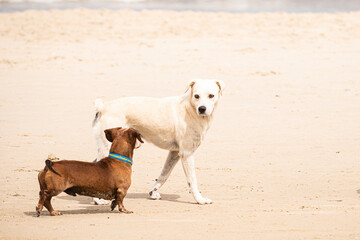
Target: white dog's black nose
[(202, 109)]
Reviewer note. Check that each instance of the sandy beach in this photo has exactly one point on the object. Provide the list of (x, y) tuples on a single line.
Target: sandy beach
[(281, 160)]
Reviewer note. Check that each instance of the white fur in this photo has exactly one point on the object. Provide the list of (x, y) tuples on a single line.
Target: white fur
[(174, 123)]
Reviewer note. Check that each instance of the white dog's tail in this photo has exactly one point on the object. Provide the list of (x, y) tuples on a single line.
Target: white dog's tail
[(99, 107)]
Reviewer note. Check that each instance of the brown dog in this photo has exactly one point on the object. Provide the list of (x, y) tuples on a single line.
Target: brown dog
[(108, 178)]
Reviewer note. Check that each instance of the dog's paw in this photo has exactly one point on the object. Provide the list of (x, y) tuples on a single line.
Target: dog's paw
[(100, 201), (126, 211), (203, 201), (155, 195), (55, 213)]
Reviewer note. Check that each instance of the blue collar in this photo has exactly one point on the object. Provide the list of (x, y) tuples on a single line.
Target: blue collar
[(121, 158)]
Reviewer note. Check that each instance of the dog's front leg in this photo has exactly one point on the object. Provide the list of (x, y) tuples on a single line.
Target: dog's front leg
[(189, 169)]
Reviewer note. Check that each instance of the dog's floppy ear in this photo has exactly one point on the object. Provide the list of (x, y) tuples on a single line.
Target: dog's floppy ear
[(110, 134), (138, 137), (139, 141), (190, 85), (221, 85)]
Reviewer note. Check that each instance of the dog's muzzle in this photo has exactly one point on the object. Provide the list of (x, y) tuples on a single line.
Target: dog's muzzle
[(202, 109)]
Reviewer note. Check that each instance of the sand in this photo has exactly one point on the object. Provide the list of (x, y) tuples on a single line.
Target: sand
[(281, 160)]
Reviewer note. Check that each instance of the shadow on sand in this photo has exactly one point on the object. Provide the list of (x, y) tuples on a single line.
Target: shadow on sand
[(91, 208)]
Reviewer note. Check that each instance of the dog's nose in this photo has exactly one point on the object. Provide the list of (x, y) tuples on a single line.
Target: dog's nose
[(202, 109)]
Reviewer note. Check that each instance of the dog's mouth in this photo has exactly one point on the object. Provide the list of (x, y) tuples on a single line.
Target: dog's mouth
[(204, 114)]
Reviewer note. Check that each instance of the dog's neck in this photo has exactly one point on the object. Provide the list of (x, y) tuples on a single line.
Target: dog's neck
[(122, 148)]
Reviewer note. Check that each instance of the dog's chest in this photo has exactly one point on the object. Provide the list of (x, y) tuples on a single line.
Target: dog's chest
[(192, 138)]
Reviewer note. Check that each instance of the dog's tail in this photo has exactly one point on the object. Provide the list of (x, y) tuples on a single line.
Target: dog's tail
[(48, 163), (99, 106)]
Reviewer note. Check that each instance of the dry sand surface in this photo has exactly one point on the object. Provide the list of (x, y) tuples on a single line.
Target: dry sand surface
[(281, 160)]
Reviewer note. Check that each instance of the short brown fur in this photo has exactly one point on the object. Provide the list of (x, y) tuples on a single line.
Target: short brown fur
[(108, 178)]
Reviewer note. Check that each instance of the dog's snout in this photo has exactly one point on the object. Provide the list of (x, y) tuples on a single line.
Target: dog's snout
[(202, 109)]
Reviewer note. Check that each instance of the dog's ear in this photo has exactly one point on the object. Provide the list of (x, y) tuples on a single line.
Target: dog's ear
[(190, 85), (138, 137), (221, 86), (110, 134), (138, 141)]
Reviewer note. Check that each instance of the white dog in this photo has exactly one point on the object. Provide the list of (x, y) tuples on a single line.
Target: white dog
[(177, 124)]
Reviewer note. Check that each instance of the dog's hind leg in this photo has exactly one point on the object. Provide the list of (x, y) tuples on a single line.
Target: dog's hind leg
[(49, 207), (42, 197), (172, 159), (102, 143), (103, 147), (41, 202), (98, 126), (101, 123)]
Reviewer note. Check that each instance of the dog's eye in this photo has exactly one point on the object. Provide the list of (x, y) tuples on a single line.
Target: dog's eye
[(196, 96), (211, 95)]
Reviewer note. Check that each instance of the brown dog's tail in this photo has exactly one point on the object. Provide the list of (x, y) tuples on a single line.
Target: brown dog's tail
[(48, 164)]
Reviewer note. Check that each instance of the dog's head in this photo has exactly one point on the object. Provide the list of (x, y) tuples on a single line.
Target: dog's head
[(128, 135), (204, 95)]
